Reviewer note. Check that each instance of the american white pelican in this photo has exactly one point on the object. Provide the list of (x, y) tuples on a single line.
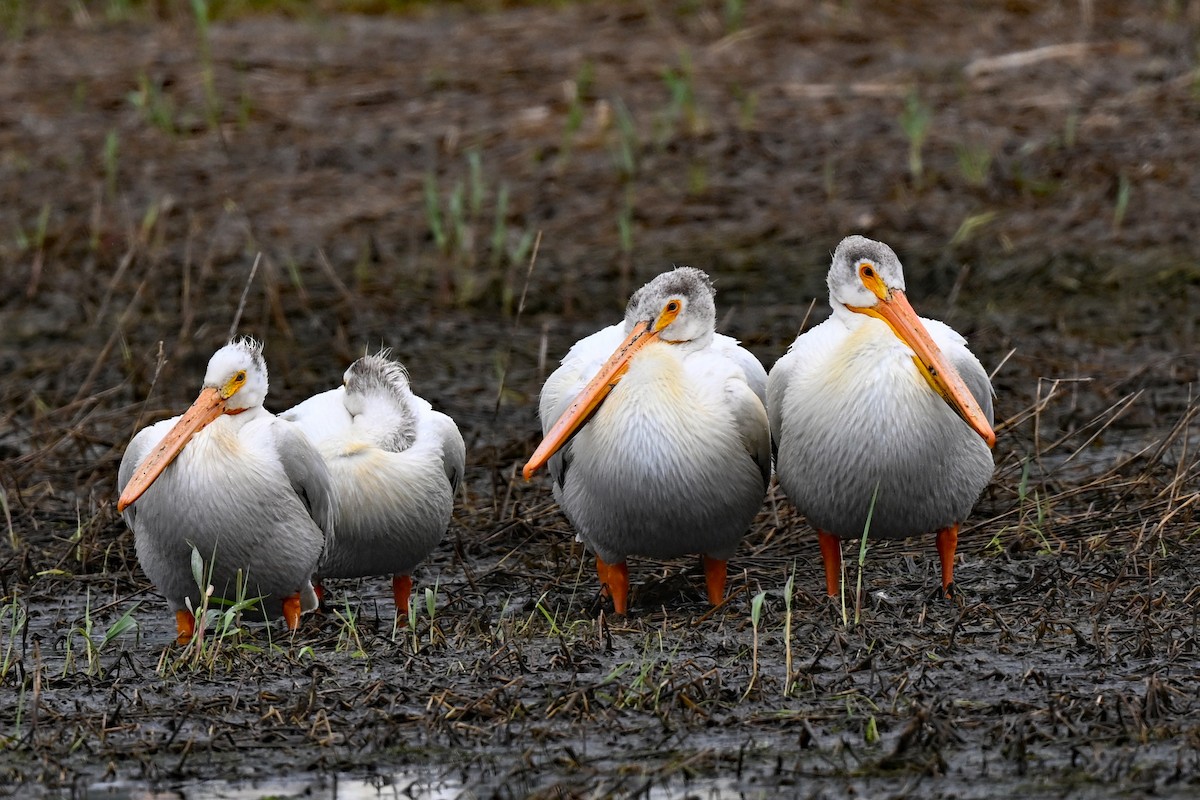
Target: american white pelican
[(396, 465), (656, 435), (228, 477), (878, 411)]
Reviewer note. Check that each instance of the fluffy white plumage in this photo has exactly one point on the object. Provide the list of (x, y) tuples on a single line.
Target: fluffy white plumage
[(248, 491), (677, 458), (852, 415), (395, 464)]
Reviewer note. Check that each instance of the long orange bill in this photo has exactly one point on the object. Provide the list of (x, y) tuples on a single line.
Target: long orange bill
[(208, 406), (945, 380), (582, 408)]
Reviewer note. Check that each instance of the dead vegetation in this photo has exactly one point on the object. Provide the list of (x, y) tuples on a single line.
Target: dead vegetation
[(366, 159)]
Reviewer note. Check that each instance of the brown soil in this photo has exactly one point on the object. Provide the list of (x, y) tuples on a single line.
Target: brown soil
[(1052, 221)]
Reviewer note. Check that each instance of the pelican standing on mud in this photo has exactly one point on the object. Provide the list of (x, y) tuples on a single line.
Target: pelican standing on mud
[(656, 435), (396, 465), (878, 412), (244, 488)]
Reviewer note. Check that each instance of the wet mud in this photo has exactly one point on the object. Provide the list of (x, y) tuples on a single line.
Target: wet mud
[(1033, 165)]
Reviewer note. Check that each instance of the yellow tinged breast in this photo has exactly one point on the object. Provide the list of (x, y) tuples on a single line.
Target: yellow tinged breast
[(657, 369)]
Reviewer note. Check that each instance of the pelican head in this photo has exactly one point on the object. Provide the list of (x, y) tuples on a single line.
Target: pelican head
[(239, 374), (676, 308), (866, 278), (380, 400), (235, 381), (863, 272)]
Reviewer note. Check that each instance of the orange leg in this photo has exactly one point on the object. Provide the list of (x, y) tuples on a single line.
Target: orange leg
[(402, 590), (614, 580), (185, 626), (714, 579), (831, 554), (291, 611), (947, 544)]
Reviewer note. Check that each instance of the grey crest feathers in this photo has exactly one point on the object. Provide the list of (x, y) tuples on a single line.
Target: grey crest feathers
[(854, 249), (378, 373), (694, 325), (248, 343), (377, 376), (253, 348), (692, 284)]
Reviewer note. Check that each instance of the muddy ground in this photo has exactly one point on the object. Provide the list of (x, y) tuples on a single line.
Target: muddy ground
[(393, 171)]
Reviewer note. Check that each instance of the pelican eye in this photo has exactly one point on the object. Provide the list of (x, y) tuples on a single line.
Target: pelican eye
[(871, 279), (234, 384), (668, 314)]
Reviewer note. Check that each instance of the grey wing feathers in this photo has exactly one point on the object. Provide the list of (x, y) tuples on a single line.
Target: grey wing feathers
[(559, 391), (130, 460), (954, 346), (751, 420), (454, 452), (752, 368), (748, 401), (578, 367), (776, 390), (976, 378), (752, 417), (308, 475), (139, 446)]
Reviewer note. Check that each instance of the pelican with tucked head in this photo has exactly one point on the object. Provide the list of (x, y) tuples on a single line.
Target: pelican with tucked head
[(879, 412), (656, 435), (396, 465), (244, 488)]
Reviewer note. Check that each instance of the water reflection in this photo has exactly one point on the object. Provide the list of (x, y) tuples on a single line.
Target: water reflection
[(317, 787), (391, 787)]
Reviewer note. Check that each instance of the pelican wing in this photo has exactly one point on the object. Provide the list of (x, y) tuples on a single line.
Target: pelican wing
[(323, 417), (747, 401), (752, 368), (954, 347), (812, 346), (777, 384), (440, 428), (750, 417), (139, 447), (134, 454), (454, 450), (579, 366), (308, 475)]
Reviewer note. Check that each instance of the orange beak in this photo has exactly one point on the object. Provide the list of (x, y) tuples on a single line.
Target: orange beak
[(894, 309), (208, 406), (588, 400)]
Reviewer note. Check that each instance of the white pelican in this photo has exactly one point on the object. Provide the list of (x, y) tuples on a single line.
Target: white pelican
[(396, 465), (879, 406), (228, 477), (657, 436)]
